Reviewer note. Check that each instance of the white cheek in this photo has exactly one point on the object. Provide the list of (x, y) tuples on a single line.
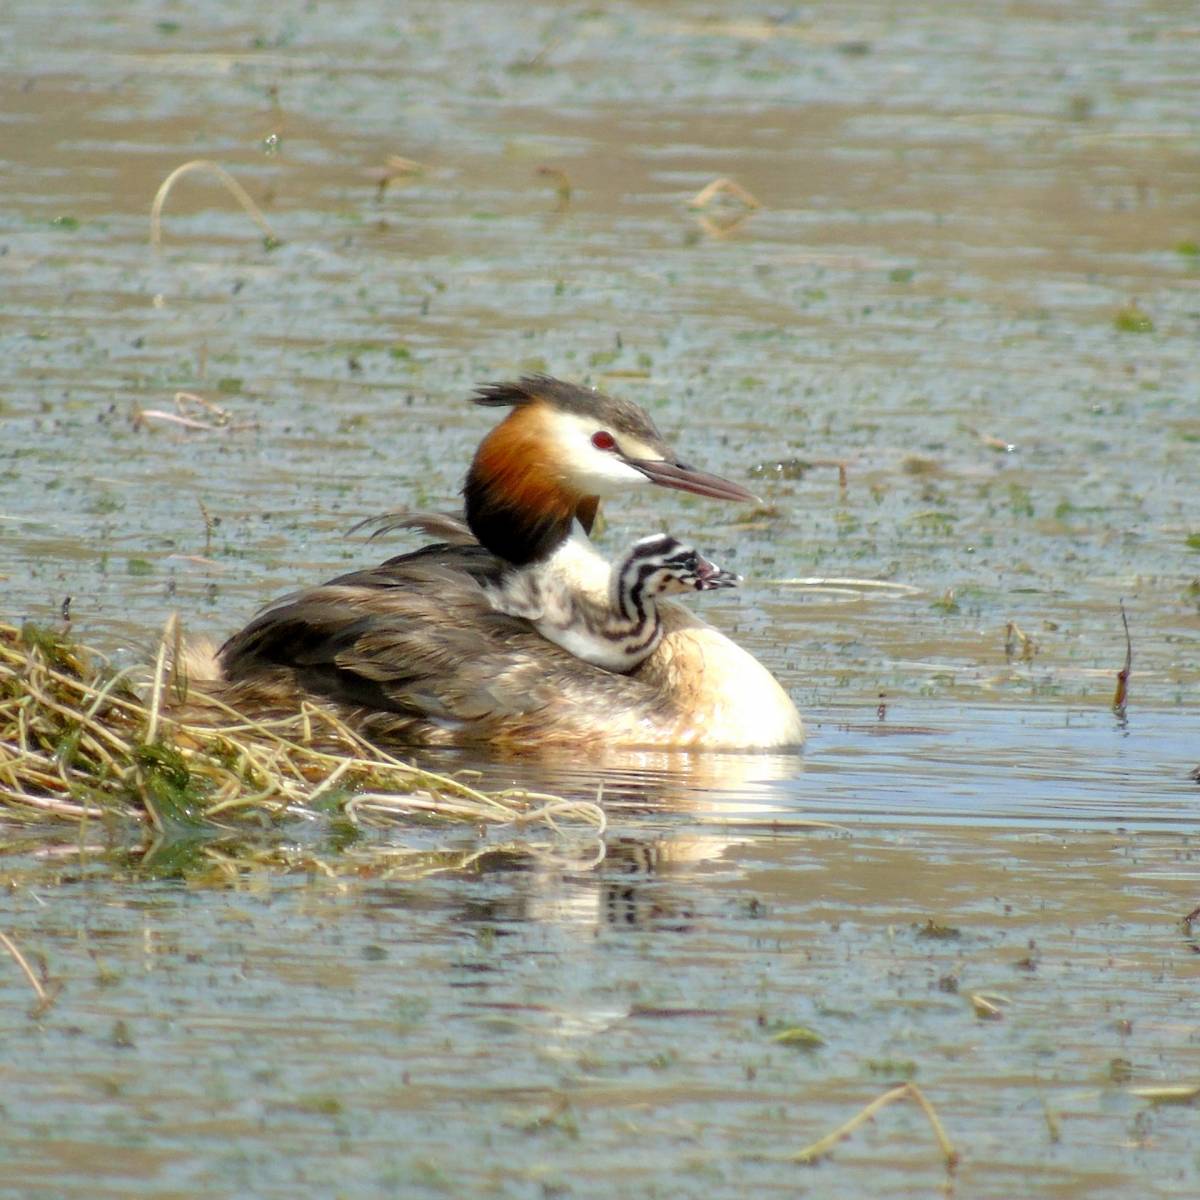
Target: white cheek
[(596, 472), (602, 473)]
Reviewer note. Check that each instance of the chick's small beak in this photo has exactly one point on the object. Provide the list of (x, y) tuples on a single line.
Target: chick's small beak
[(710, 576), (687, 479)]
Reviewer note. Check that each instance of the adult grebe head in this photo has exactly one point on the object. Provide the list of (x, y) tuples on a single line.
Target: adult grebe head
[(561, 449)]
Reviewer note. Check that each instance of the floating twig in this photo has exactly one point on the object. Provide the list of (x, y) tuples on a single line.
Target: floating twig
[(156, 414), (1001, 445), (21, 962), (838, 585), (208, 528), (988, 1006), (395, 167), (1018, 644), (1168, 1093), (45, 996), (234, 188), (562, 185), (1121, 695), (736, 205), (722, 226), (903, 1091), (222, 419), (724, 188)]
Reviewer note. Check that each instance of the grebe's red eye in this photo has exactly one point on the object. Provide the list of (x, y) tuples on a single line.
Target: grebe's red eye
[(603, 440)]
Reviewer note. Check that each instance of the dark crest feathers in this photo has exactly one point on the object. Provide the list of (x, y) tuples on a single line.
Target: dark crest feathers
[(621, 415)]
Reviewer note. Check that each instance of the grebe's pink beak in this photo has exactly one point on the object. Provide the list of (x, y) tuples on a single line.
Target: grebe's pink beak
[(687, 479)]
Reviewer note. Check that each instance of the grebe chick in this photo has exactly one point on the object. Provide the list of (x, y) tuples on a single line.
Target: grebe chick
[(621, 630)]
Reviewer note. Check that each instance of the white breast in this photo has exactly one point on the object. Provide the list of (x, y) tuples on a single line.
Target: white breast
[(727, 699)]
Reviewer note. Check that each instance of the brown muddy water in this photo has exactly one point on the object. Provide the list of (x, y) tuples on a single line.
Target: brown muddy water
[(974, 279)]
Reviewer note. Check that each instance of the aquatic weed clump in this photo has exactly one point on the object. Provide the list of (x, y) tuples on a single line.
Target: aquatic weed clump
[(68, 727), (79, 741)]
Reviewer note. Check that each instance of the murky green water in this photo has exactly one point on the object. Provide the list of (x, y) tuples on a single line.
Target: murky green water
[(974, 280)]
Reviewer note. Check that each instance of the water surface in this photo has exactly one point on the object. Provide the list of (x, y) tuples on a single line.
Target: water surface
[(973, 282)]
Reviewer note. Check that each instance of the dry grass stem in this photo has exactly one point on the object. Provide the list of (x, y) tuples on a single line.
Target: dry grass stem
[(903, 1091), (34, 981), (170, 636), (722, 206), (221, 419), (395, 168), (142, 415), (234, 188), (722, 226), (208, 529), (1018, 644), (1182, 1093), (988, 1006), (562, 185), (848, 581), (723, 188), (1121, 695)]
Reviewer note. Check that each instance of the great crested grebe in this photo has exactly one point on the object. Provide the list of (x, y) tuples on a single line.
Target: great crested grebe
[(416, 650), (620, 630)]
